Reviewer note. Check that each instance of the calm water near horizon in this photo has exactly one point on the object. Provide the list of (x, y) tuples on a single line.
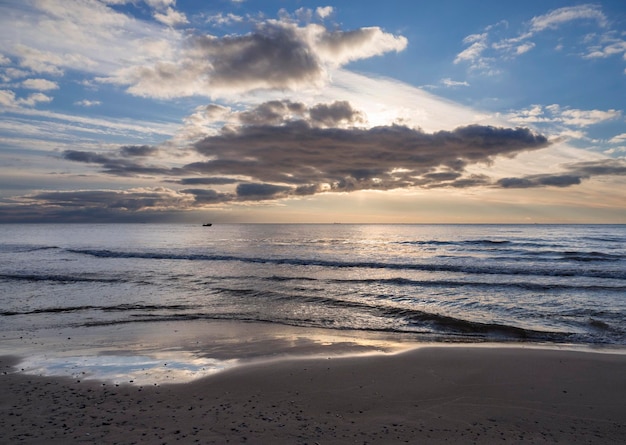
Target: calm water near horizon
[(530, 283)]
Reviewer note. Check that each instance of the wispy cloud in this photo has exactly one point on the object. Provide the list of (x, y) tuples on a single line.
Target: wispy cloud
[(454, 83), (63, 127), (562, 122), (559, 17), (485, 49), (567, 116), (89, 37), (87, 103)]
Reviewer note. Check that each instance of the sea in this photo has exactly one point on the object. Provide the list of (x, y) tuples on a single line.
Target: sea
[(531, 284)]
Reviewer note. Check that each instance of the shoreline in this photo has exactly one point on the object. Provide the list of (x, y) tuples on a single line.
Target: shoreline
[(434, 394), (177, 352)]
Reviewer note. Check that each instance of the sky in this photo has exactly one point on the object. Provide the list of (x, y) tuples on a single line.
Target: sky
[(404, 111)]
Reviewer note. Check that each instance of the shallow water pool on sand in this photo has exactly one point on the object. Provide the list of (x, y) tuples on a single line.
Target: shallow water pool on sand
[(178, 352)]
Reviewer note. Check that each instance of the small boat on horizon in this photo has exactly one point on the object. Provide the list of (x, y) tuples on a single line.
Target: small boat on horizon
[(207, 225)]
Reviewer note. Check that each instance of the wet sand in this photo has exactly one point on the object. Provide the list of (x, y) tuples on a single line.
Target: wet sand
[(430, 395)]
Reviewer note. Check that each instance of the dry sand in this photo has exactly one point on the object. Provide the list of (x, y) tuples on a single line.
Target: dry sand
[(431, 395)]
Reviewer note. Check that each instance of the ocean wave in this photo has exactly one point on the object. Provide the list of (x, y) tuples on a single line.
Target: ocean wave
[(25, 248), (114, 308), (405, 319), (488, 269), (590, 256), (417, 323), (399, 281), (445, 323), (478, 242), (59, 278)]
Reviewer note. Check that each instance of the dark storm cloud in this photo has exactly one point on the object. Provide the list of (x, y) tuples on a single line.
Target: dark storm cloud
[(86, 157), (116, 162), (260, 191), (300, 154), (609, 167), (283, 148), (138, 150), (335, 114), (208, 196), (539, 181), (274, 112), (276, 54), (574, 175), (128, 200), (205, 181), (139, 204), (279, 112)]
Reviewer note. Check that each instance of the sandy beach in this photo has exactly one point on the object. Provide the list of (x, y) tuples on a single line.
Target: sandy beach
[(428, 395)]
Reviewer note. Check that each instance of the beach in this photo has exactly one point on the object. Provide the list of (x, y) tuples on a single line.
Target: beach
[(304, 334), (446, 394)]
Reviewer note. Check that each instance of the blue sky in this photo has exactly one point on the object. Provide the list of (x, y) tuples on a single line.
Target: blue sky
[(295, 111)]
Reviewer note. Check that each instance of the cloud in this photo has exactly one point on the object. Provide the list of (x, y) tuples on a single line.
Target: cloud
[(87, 103), (574, 174), (524, 48), (485, 48), (278, 112), (335, 114), (137, 204), (160, 4), (259, 191), (473, 53), (584, 118), (9, 74), (558, 17), (568, 119), (138, 150), (127, 200), (206, 181), (89, 37), (605, 45), (278, 54), (171, 17), (284, 148), (453, 83), (222, 19), (203, 197), (122, 162), (41, 62), (273, 112), (40, 84), (539, 181), (34, 99), (619, 139), (324, 11), (355, 158), (9, 100)]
